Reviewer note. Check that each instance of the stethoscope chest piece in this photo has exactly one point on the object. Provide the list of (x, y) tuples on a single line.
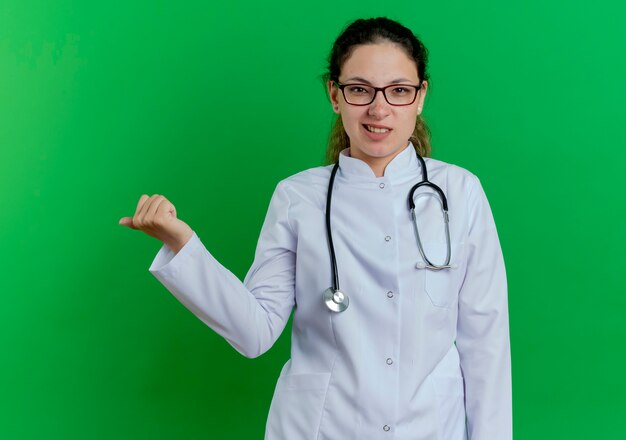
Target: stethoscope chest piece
[(336, 300)]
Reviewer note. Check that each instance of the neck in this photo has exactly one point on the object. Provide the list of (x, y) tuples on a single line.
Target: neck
[(377, 164)]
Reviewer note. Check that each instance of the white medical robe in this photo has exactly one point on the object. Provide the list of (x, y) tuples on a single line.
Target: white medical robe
[(418, 354)]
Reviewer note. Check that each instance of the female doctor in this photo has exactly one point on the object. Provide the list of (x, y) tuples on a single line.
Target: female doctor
[(400, 327)]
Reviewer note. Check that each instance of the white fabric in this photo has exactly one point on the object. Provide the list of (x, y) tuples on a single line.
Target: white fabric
[(415, 353)]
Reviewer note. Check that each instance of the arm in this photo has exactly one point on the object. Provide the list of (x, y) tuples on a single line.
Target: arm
[(249, 315), (483, 327)]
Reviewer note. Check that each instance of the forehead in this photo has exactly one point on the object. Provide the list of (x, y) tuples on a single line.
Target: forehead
[(379, 62)]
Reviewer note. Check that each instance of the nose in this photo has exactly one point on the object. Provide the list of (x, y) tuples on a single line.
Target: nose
[(379, 108)]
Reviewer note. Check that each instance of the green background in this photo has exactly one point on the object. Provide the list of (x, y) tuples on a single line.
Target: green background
[(211, 104)]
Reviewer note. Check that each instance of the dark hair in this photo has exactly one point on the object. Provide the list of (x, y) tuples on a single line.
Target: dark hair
[(372, 31)]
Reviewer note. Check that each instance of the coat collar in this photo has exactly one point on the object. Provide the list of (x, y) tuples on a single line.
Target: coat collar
[(405, 164)]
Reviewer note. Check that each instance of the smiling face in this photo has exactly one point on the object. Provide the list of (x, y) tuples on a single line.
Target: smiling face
[(379, 65)]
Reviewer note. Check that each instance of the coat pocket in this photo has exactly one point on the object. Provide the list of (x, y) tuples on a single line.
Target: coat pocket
[(442, 286), (296, 408), (451, 407)]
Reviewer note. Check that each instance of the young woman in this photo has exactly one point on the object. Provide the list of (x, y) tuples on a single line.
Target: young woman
[(400, 327)]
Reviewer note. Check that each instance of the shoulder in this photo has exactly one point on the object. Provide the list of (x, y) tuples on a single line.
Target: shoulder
[(454, 176), (468, 191), (311, 176), (464, 192), (307, 184)]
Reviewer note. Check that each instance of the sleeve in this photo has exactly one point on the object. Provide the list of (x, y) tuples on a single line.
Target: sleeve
[(483, 327), (249, 315)]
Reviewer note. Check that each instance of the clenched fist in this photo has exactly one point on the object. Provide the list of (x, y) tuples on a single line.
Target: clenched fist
[(156, 216)]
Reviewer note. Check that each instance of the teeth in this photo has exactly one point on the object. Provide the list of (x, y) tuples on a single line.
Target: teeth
[(377, 130)]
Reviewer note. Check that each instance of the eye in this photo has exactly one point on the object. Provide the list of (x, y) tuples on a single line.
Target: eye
[(357, 90), (400, 90)]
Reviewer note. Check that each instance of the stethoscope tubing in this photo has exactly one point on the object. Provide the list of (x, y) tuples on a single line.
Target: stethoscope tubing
[(329, 233), (336, 300)]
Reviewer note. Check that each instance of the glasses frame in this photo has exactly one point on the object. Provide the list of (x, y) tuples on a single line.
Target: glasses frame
[(341, 87)]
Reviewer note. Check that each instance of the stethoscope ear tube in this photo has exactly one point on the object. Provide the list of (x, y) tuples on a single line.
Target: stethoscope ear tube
[(444, 208)]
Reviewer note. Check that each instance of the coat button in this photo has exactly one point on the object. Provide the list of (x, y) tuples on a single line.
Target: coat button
[(386, 428), (381, 186), (387, 238), (390, 294), (389, 361)]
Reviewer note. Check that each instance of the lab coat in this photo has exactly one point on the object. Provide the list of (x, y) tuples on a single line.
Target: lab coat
[(418, 354)]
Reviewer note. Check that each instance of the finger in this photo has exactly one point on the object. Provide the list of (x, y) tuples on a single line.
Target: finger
[(127, 221), (141, 202), (140, 217), (151, 216)]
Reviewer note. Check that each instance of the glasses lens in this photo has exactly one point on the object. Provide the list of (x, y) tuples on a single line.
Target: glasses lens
[(401, 95), (358, 94)]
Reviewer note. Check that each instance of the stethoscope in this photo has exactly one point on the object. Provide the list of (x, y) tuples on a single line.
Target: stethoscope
[(338, 301)]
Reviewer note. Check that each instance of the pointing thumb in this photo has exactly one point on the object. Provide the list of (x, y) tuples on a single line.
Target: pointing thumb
[(127, 221)]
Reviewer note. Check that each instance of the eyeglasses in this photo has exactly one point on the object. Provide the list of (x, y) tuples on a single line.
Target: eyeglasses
[(363, 94)]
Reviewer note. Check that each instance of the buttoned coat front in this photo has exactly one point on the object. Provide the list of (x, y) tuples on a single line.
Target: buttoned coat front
[(418, 354)]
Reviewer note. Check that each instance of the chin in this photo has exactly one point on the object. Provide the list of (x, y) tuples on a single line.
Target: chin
[(381, 149), (378, 151)]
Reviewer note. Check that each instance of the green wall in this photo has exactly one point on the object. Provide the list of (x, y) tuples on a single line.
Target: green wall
[(210, 104)]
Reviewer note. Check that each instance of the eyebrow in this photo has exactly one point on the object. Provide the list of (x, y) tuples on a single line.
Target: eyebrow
[(364, 81)]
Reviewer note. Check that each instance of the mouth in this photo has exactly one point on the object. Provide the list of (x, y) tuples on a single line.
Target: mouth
[(376, 128)]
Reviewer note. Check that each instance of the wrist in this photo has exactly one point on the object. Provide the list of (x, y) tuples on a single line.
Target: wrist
[(177, 243)]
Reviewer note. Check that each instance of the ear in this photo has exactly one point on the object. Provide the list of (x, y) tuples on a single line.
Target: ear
[(421, 94), (333, 94)]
